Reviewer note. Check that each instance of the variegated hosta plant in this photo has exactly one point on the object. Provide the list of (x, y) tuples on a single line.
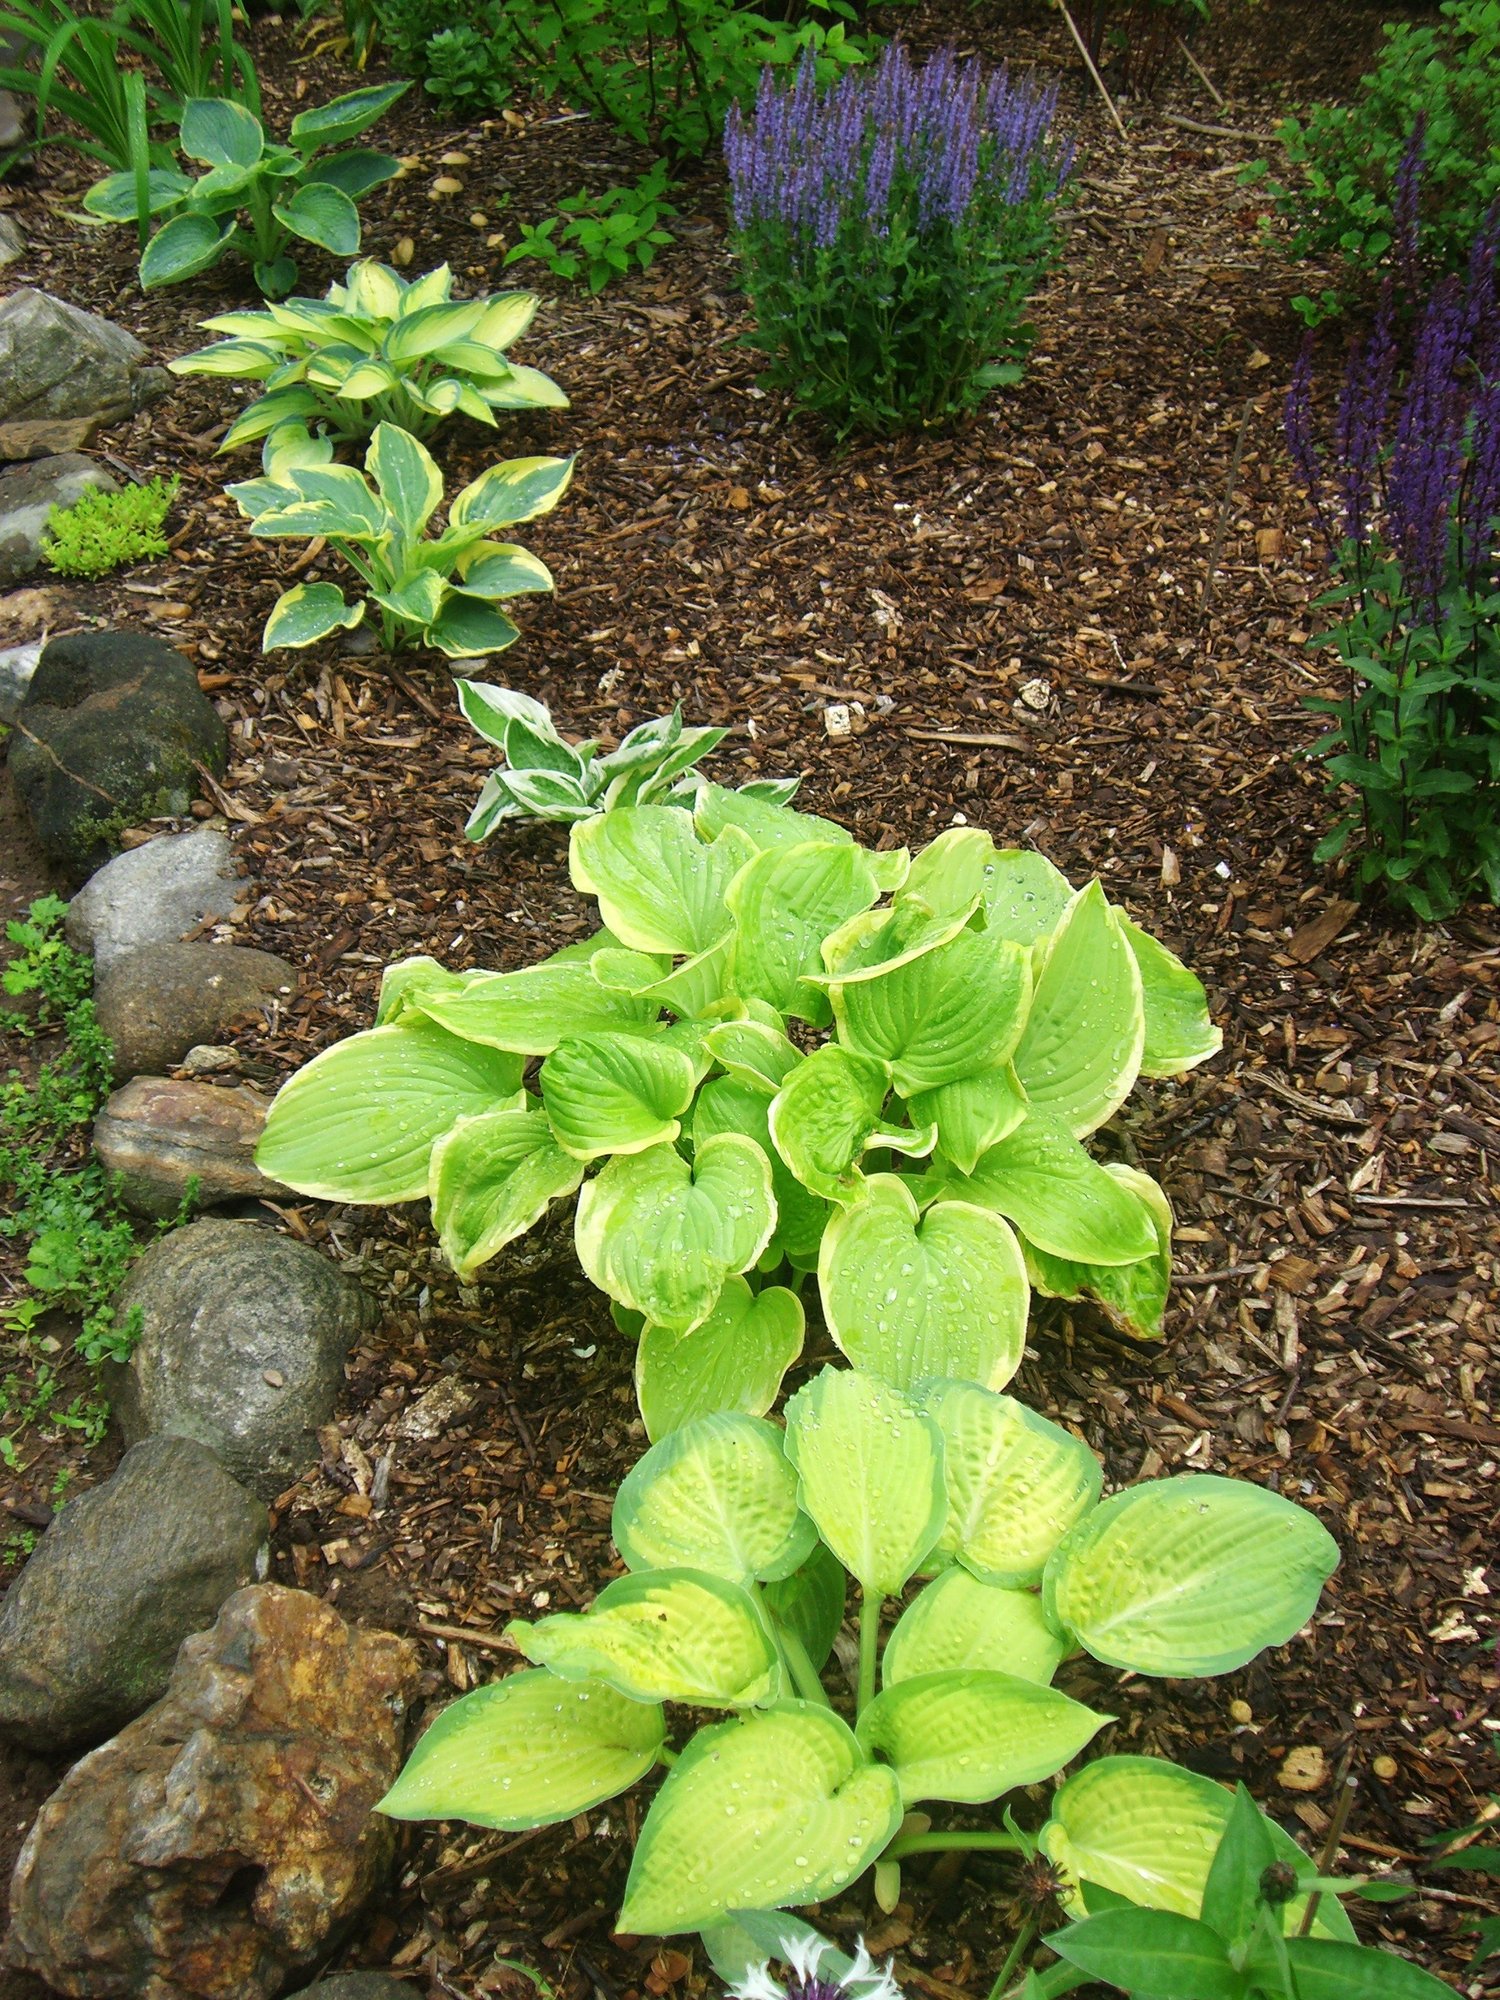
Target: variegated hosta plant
[(926, 1159), (379, 348), (438, 590), (738, 1539)]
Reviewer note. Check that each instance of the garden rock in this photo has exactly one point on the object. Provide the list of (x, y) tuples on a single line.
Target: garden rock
[(12, 134), (111, 731), (58, 361), (242, 1345), (358, 1986), (159, 1135), (28, 493), (222, 1843), (17, 665), (37, 437), (12, 242), (90, 1628), (157, 1003), (155, 894)]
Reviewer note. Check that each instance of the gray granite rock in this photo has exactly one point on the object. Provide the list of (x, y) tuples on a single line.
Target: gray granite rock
[(17, 665), (162, 1000), (163, 1136), (155, 894), (242, 1346), (90, 1628), (58, 361), (28, 493), (12, 242)]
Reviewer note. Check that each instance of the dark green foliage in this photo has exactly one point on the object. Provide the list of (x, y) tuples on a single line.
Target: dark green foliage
[(598, 237)]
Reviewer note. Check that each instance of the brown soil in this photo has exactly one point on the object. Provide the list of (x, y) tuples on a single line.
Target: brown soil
[(1333, 1328)]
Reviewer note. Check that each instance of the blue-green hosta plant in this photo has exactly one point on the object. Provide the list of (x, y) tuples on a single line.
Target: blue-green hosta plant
[(925, 1158), (259, 194), (547, 777), (738, 1541), (438, 590), (379, 348)]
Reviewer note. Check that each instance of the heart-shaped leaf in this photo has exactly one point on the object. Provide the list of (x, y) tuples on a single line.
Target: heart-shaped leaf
[(779, 1806), (941, 1015), (767, 825), (1059, 1196), (359, 1122), (727, 1105), (823, 1115), (659, 887), (662, 1635), (870, 1473), (490, 1179), (1025, 897), (1179, 1031), (1080, 1052), (973, 1114), (961, 1621), (1131, 1296), (323, 214), (531, 1011), (785, 902), (527, 1751), (734, 1361), (182, 248), (970, 1734), (662, 1235), (406, 476), (1188, 1576), (616, 1093), (754, 1053), (912, 1296), (718, 1495), (1016, 1483), (307, 613), (220, 132)]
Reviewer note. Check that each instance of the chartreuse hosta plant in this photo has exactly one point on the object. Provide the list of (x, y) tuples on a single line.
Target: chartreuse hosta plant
[(547, 777), (379, 348), (438, 590), (926, 1159), (738, 1539)]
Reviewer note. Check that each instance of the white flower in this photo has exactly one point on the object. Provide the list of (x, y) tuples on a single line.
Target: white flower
[(804, 1955)]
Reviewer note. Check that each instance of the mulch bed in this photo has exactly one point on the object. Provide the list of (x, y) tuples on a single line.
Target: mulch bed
[(1064, 623)]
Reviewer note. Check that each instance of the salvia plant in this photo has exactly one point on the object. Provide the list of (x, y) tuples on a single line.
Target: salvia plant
[(258, 194), (440, 590), (890, 232), (760, 1066), (1408, 501), (379, 348), (546, 777), (738, 1540)]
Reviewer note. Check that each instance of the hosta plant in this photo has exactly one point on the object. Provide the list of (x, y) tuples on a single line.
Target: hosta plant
[(379, 348), (783, 1054), (738, 1541), (437, 590), (259, 194), (547, 777)]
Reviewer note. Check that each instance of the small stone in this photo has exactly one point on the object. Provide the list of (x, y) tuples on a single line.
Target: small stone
[(160, 1135), (1305, 1769), (1241, 1712), (207, 1059), (1036, 695), (155, 894), (157, 1003), (837, 721), (1269, 544), (223, 1304), (28, 493), (39, 437), (12, 242), (17, 665), (90, 1628), (58, 361), (223, 1843), (435, 1409), (1385, 1768)]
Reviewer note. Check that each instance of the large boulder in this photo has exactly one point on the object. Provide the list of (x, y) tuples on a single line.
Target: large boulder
[(242, 1344), (28, 493), (112, 730), (157, 1003), (90, 1628), (162, 1135), (155, 894), (220, 1845), (58, 361)]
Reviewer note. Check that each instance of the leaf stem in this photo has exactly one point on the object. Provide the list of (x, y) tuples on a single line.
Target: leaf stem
[(801, 1668), (950, 1843), (667, 1755), (869, 1645), (1023, 1938)]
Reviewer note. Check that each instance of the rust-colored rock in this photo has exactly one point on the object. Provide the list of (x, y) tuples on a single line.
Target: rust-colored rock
[(217, 1847), (159, 1134)]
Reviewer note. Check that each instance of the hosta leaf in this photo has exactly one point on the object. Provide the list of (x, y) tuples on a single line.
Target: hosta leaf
[(182, 248), (358, 1123), (533, 1010), (406, 477), (659, 887), (1016, 1483), (661, 1235), (518, 490), (785, 903), (344, 117), (309, 612), (1131, 1296), (878, 943), (527, 1751), (769, 826), (753, 1053), (719, 1495), (970, 1733), (466, 629), (1188, 1576), (220, 132), (405, 980), (1059, 1196), (823, 1115), (1025, 897), (779, 1806), (418, 600), (426, 328), (491, 710), (870, 1471), (490, 1179), (961, 1621), (523, 388), (1081, 1048), (734, 1361), (322, 214), (728, 1105), (662, 1635), (942, 1015), (912, 1296), (1148, 1830), (615, 1093), (1179, 1031), (949, 874), (973, 1114), (502, 569), (810, 1602)]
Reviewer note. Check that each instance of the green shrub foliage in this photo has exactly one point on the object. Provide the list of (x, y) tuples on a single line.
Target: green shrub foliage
[(104, 531)]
